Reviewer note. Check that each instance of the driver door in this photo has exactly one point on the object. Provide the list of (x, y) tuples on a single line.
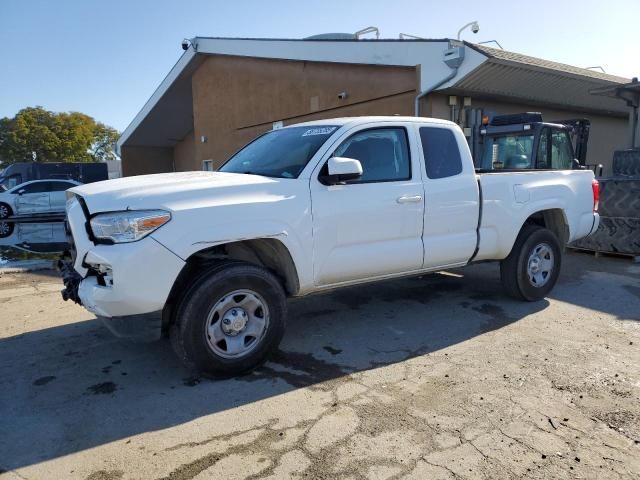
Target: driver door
[(370, 227), (32, 198)]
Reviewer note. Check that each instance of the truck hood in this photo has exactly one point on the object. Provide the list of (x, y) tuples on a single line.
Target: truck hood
[(176, 191)]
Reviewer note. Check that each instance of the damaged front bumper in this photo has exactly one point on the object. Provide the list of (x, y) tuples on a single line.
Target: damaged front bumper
[(140, 327), (126, 285), (71, 280)]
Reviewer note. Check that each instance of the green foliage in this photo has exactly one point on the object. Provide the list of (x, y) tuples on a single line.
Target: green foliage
[(55, 137), (103, 139)]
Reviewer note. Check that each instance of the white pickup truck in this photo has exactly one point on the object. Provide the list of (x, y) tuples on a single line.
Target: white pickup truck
[(211, 257)]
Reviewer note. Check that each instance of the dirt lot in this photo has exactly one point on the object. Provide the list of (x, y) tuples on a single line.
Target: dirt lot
[(427, 378)]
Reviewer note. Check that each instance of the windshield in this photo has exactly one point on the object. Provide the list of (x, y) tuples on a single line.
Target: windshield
[(508, 152), (280, 153)]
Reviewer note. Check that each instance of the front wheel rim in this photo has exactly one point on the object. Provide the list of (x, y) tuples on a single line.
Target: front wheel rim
[(4, 228), (237, 323), (4, 211), (540, 265)]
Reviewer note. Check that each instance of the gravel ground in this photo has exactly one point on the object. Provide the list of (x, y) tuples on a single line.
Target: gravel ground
[(437, 377)]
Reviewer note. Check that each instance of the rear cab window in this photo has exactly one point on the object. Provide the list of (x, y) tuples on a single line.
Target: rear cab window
[(441, 152)]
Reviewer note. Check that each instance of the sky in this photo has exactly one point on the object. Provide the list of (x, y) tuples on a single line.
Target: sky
[(105, 58)]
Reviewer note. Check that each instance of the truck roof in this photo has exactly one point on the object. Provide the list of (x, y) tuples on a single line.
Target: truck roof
[(352, 121)]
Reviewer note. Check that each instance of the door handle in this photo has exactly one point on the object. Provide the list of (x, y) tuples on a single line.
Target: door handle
[(409, 199)]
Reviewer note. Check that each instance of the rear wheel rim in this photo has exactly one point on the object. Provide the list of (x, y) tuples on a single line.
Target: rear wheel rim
[(4, 228), (540, 265), (237, 323)]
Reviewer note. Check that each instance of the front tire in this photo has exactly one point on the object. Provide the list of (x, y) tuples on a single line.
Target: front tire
[(5, 211), (229, 320), (532, 268)]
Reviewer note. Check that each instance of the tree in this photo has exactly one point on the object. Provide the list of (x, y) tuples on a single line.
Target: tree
[(103, 139), (36, 134)]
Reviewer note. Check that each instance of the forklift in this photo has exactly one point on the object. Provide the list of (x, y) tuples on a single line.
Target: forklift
[(523, 141)]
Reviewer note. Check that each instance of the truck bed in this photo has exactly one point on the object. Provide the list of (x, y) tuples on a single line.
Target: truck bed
[(508, 197)]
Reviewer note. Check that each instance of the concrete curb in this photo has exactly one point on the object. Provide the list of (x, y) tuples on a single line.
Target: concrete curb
[(22, 266)]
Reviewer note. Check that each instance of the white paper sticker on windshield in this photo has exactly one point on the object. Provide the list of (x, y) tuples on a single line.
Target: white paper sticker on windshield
[(319, 131)]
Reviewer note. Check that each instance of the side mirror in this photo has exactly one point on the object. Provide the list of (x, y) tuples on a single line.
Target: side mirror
[(342, 169), (21, 191)]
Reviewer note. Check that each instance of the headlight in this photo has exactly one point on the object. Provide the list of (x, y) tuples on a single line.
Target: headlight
[(129, 226)]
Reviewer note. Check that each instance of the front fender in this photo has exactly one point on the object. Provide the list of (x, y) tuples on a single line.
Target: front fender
[(186, 241)]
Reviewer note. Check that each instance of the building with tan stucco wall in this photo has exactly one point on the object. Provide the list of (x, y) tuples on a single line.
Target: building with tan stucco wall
[(224, 92)]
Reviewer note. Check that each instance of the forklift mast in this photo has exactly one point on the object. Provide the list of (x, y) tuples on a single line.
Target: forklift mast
[(579, 133)]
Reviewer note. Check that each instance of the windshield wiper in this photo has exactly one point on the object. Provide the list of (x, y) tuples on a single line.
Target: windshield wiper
[(249, 172)]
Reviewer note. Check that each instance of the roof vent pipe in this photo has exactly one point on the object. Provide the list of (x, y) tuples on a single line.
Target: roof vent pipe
[(453, 58), (491, 41), (359, 33)]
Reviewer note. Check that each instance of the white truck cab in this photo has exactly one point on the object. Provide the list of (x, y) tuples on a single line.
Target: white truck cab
[(210, 257)]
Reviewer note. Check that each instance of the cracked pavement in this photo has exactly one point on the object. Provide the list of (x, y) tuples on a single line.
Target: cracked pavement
[(436, 377)]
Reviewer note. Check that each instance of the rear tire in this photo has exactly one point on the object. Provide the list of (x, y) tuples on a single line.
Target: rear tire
[(532, 268), (229, 320)]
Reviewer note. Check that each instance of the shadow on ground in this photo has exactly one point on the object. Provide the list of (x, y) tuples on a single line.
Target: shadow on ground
[(73, 387), (608, 284)]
